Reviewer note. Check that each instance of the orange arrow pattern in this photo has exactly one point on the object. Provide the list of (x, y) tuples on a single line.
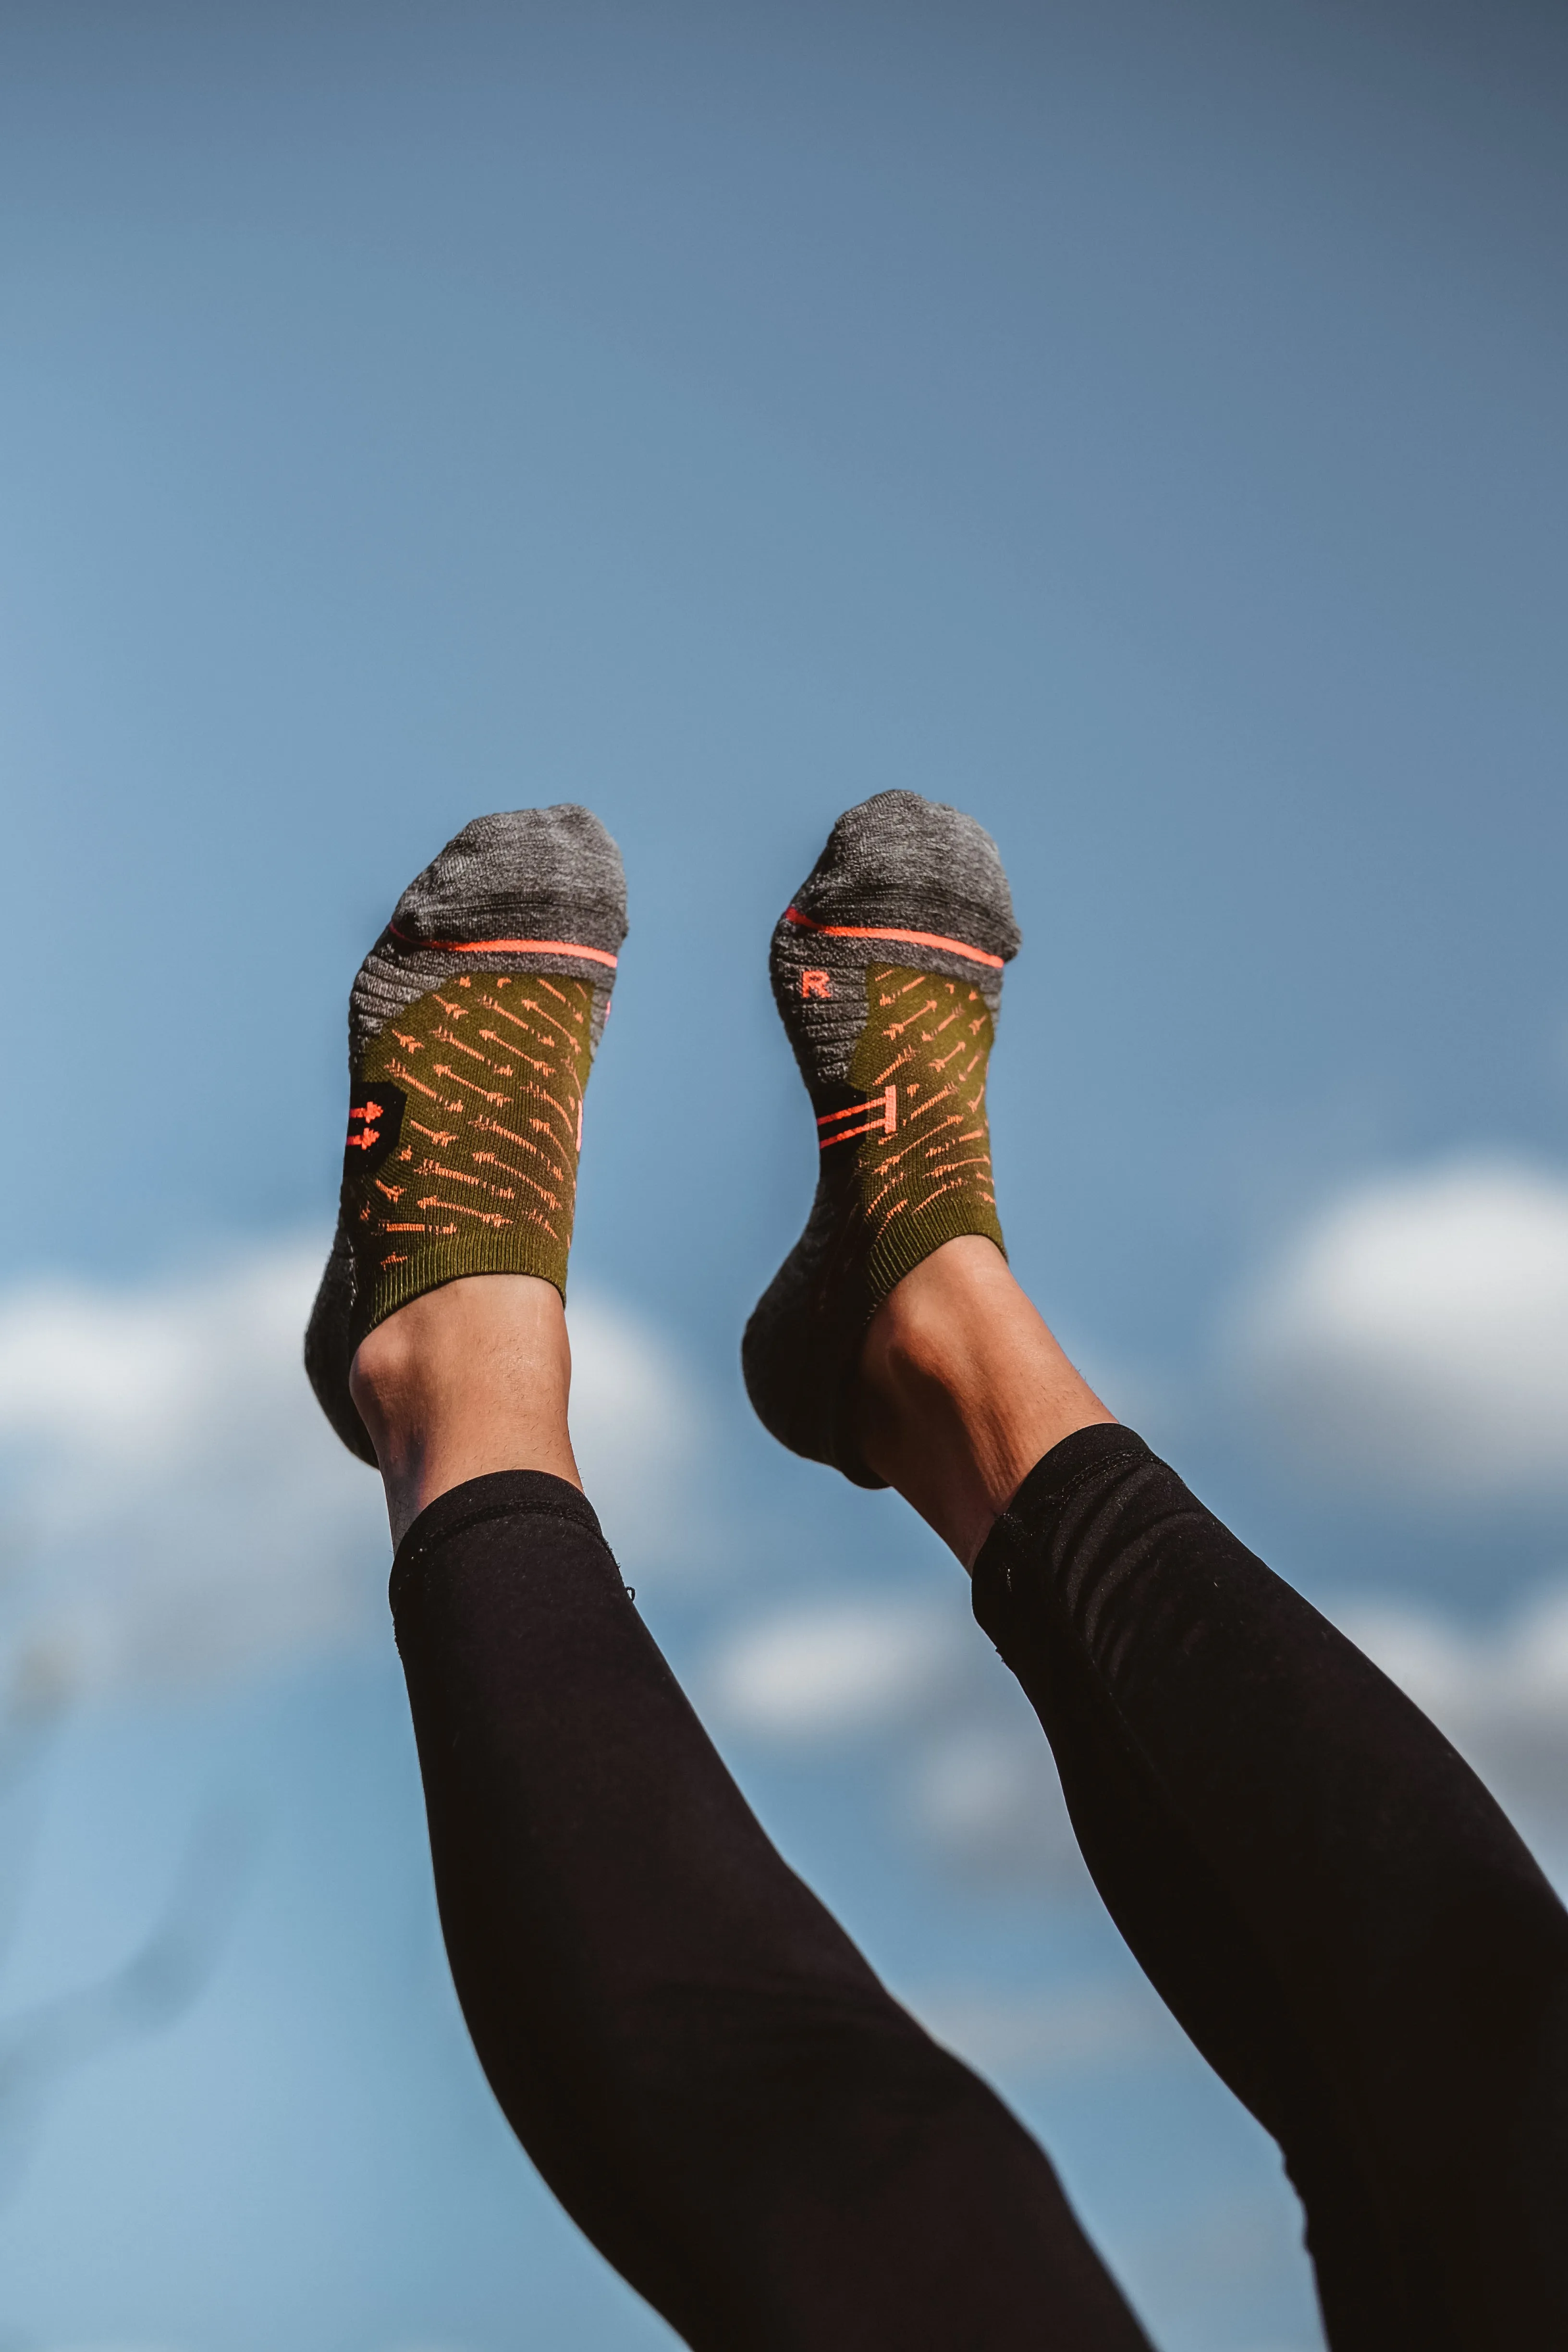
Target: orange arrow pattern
[(924, 1133), (497, 1062)]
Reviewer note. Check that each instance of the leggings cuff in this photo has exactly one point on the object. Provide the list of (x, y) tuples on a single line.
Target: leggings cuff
[(1057, 1476), (500, 1495)]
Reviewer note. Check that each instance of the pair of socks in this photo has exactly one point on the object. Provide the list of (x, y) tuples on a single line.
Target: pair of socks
[(473, 1023)]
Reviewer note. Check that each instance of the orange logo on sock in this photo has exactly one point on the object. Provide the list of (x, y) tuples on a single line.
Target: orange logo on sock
[(369, 1136), (374, 1126), (815, 983)]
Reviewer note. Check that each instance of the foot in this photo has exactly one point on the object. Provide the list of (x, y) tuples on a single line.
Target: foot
[(886, 969), (472, 1025)]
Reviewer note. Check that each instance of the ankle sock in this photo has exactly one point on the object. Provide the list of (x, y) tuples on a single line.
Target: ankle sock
[(887, 970), (472, 1025)]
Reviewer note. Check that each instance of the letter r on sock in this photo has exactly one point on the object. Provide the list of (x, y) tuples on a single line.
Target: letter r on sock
[(815, 983)]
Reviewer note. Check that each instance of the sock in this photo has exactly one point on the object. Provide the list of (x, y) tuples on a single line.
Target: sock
[(472, 1025), (887, 970)]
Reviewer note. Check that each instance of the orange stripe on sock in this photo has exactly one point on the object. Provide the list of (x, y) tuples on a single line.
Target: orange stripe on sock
[(866, 931), (886, 1105), (523, 947)]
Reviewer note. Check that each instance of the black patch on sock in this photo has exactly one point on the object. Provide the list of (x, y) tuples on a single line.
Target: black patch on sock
[(375, 1125)]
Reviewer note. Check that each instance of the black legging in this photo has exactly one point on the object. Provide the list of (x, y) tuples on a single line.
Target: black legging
[(747, 2124)]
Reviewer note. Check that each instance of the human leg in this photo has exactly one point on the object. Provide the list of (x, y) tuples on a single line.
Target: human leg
[(700, 2062), (1331, 1904), (1326, 1897), (697, 2058)]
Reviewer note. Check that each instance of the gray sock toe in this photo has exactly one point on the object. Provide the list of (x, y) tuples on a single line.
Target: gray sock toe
[(896, 864), (545, 880)]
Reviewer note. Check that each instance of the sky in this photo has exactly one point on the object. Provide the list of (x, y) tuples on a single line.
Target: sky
[(1142, 426)]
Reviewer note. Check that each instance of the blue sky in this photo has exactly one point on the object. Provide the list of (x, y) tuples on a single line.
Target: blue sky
[(1143, 426)]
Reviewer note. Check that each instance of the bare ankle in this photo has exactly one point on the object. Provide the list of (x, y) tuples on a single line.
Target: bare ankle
[(468, 1378), (962, 1388)]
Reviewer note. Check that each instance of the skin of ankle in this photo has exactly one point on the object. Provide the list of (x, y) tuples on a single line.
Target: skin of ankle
[(465, 1380), (962, 1388)]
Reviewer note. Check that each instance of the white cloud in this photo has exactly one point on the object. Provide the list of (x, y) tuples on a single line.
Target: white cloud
[(984, 1795), (181, 1508), (972, 1773), (639, 1434), (834, 1668), (969, 1770), (1414, 1338), (176, 1507)]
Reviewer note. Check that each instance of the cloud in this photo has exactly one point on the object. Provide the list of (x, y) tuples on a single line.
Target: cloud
[(640, 1432), (972, 1775), (177, 1510), (969, 1770), (984, 1796), (835, 1668), (1414, 1338)]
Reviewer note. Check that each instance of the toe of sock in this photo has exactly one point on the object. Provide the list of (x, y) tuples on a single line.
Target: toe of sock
[(920, 865), (555, 871)]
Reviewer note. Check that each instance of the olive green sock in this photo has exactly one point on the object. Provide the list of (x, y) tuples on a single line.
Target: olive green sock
[(887, 970), (917, 1136), (472, 1027)]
